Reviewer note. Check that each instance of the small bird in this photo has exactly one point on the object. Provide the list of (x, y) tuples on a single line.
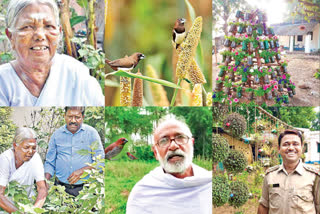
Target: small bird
[(115, 148), (131, 156), (178, 32), (126, 63)]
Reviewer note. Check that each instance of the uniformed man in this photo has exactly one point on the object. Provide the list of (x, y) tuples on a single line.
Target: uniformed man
[(292, 187)]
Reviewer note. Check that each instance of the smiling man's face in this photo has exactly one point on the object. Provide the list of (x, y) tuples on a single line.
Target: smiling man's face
[(290, 148), (174, 157), (74, 119)]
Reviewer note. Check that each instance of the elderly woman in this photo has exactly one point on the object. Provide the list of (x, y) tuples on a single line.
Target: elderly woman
[(39, 76), (22, 164)]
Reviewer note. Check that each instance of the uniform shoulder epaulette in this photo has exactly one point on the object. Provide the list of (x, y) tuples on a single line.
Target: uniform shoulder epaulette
[(271, 169), (311, 169)]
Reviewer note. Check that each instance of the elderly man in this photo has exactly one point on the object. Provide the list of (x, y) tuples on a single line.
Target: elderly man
[(23, 164), (177, 185), (292, 187), (63, 159)]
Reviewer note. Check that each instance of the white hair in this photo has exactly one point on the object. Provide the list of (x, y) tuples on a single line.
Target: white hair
[(169, 119), (23, 134), (16, 6)]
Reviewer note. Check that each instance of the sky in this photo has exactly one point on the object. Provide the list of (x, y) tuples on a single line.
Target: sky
[(275, 9)]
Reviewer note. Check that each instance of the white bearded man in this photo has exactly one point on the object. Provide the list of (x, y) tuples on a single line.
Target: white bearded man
[(177, 185)]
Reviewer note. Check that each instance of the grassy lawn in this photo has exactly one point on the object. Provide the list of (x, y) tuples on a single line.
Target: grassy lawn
[(122, 175)]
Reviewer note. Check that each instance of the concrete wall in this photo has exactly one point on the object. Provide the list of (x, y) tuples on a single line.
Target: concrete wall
[(312, 138), (240, 146)]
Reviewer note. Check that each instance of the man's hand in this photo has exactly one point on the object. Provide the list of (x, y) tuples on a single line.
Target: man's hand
[(75, 176)]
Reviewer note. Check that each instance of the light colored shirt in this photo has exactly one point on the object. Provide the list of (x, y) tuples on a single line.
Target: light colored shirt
[(26, 174), (63, 158), (69, 84), (162, 193), (289, 193)]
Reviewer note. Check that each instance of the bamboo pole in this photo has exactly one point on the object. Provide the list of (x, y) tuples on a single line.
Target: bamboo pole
[(92, 39)]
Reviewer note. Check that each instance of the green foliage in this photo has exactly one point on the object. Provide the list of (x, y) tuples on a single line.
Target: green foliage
[(144, 152), (219, 112), (240, 194), (220, 190), (236, 162), (94, 116), (91, 197), (132, 75), (7, 128), (317, 74), (316, 123), (220, 148), (235, 124)]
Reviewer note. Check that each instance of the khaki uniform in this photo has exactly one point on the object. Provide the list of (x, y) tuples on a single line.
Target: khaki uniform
[(292, 193)]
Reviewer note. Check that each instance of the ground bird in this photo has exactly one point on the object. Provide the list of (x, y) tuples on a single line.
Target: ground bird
[(126, 63), (178, 32), (115, 148), (131, 156)]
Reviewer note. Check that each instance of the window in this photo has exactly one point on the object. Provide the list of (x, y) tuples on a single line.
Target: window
[(311, 33), (300, 37), (318, 147), (305, 149)]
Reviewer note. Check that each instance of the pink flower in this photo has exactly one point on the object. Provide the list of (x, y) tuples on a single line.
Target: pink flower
[(265, 87), (275, 37), (261, 71), (246, 36), (236, 100), (269, 70), (257, 38), (235, 69), (272, 89), (229, 68), (237, 53), (284, 77), (217, 78), (230, 102), (275, 87)]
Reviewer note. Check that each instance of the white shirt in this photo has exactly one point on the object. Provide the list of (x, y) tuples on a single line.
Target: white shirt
[(25, 175), (69, 84), (162, 193)]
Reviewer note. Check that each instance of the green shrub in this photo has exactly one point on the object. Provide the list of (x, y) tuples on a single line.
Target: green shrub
[(144, 152), (317, 74), (219, 112), (220, 190), (235, 124), (239, 194), (220, 148), (236, 162)]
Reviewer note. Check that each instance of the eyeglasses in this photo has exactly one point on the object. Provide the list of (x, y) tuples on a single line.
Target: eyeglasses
[(179, 139)]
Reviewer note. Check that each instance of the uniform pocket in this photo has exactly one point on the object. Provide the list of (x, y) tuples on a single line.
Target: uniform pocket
[(275, 198), (303, 200)]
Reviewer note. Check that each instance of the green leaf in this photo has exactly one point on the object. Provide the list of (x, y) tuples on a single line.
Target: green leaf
[(83, 152), (83, 3), (76, 20), (94, 145), (83, 52), (132, 75), (191, 10), (39, 210)]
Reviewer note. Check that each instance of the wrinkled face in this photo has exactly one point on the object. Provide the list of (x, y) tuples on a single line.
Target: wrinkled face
[(290, 148), (173, 158), (25, 150), (73, 119), (35, 35)]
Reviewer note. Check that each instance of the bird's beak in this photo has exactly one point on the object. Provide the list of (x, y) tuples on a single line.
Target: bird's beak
[(142, 56), (182, 20), (125, 141)]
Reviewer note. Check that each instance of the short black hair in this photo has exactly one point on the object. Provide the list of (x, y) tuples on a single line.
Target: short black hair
[(290, 131), (81, 108)]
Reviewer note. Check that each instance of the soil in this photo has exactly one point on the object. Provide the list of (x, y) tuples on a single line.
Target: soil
[(301, 67), (249, 208)]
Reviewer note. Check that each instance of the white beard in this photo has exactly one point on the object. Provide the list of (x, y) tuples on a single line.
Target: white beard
[(178, 166)]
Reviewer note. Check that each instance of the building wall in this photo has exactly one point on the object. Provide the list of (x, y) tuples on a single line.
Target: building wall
[(240, 146), (315, 42), (312, 139)]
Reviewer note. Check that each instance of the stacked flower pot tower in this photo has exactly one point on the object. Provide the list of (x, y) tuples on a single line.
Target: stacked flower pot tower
[(252, 67)]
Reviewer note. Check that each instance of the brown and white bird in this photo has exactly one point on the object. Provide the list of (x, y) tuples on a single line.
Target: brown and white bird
[(126, 63), (115, 148), (178, 32)]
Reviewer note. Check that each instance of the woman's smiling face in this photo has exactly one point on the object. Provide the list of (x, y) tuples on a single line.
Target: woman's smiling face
[(35, 36)]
